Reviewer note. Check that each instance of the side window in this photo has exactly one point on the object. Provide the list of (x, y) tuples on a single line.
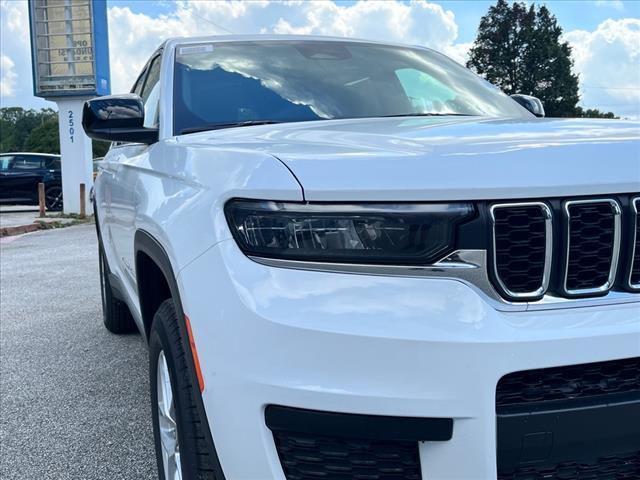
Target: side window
[(426, 94), (151, 93), (137, 87), (5, 161), (53, 163), (27, 163)]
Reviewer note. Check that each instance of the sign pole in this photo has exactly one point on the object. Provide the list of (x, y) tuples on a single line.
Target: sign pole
[(76, 151), (70, 64)]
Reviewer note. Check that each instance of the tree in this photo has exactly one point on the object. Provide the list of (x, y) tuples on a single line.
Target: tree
[(35, 131), (518, 48), (16, 124), (44, 138), (594, 113), (100, 148)]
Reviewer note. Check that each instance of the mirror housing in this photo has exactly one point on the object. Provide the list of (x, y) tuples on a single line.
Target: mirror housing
[(117, 118), (533, 104)]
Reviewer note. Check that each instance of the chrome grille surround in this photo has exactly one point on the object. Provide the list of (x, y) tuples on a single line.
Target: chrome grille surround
[(606, 286), (546, 275), (635, 253)]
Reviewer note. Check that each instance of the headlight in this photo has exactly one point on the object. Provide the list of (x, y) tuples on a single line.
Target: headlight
[(401, 234)]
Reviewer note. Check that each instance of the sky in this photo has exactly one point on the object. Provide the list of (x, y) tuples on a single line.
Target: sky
[(604, 35)]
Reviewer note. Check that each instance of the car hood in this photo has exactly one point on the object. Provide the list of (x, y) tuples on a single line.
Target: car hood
[(446, 158)]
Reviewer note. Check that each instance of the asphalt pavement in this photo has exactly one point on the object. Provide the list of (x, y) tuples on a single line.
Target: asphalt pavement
[(74, 399)]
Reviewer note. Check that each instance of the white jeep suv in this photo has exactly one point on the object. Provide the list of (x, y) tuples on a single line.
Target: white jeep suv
[(360, 261)]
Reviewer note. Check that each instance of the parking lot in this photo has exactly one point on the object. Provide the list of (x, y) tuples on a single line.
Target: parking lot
[(74, 400)]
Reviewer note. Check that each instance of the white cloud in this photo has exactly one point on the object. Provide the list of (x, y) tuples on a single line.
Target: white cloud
[(608, 61), (8, 76), (134, 36), (458, 52)]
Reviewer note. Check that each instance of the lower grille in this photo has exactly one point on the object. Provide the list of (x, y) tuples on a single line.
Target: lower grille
[(591, 380), (314, 445), (593, 245), (579, 422), (312, 457), (611, 467)]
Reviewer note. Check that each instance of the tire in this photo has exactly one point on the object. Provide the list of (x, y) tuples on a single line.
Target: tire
[(115, 313), (53, 198), (197, 458)]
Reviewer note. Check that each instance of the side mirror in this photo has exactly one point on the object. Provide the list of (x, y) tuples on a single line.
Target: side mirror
[(533, 104), (117, 118)]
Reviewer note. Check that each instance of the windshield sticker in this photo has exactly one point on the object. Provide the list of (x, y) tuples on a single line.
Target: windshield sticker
[(192, 49)]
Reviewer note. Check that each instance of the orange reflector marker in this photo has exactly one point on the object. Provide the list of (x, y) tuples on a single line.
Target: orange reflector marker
[(194, 353)]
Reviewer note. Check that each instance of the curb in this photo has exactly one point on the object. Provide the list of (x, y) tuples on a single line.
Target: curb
[(40, 224), (20, 229)]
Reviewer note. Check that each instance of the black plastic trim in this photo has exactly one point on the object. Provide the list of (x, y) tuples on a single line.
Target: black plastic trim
[(581, 434), (370, 427)]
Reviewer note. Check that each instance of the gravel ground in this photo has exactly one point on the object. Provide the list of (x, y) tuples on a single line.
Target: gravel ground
[(74, 401)]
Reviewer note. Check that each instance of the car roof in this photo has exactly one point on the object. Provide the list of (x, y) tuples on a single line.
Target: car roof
[(52, 155), (172, 42)]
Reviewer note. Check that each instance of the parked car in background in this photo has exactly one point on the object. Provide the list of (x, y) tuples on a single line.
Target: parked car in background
[(20, 174), (354, 260)]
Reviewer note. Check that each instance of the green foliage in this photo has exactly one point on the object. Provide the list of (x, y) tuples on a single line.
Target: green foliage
[(17, 123), (34, 131), (44, 138), (100, 148), (518, 48), (594, 113)]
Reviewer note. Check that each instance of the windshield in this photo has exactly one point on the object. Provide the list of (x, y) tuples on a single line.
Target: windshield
[(290, 81)]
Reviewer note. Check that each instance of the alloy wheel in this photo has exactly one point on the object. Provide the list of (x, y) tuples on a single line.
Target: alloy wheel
[(53, 198), (167, 422)]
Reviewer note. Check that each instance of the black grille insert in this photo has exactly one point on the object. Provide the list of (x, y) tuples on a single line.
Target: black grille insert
[(520, 248), (311, 457), (634, 276), (612, 467), (590, 380), (592, 250)]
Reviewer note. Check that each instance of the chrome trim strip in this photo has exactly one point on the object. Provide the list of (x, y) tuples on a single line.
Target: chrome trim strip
[(553, 302), (548, 249), (617, 212), (466, 266), (635, 206)]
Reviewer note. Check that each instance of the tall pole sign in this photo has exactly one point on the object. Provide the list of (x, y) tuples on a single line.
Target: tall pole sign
[(70, 62)]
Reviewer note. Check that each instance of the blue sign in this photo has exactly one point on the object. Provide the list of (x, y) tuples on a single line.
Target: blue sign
[(69, 48)]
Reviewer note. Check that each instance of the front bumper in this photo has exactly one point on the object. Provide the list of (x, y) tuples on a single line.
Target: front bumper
[(393, 346)]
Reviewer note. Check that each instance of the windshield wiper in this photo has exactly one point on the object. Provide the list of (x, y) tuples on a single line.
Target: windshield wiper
[(217, 126), (428, 114)]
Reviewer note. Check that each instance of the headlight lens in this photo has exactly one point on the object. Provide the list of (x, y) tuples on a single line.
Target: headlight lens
[(402, 234)]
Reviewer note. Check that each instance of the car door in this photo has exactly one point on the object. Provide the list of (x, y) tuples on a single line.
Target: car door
[(121, 162), (23, 176), (109, 196)]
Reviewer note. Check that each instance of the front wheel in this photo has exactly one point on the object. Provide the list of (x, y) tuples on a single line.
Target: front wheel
[(182, 448)]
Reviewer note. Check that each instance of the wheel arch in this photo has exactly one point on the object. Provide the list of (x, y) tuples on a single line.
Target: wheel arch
[(150, 258), (154, 277)]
